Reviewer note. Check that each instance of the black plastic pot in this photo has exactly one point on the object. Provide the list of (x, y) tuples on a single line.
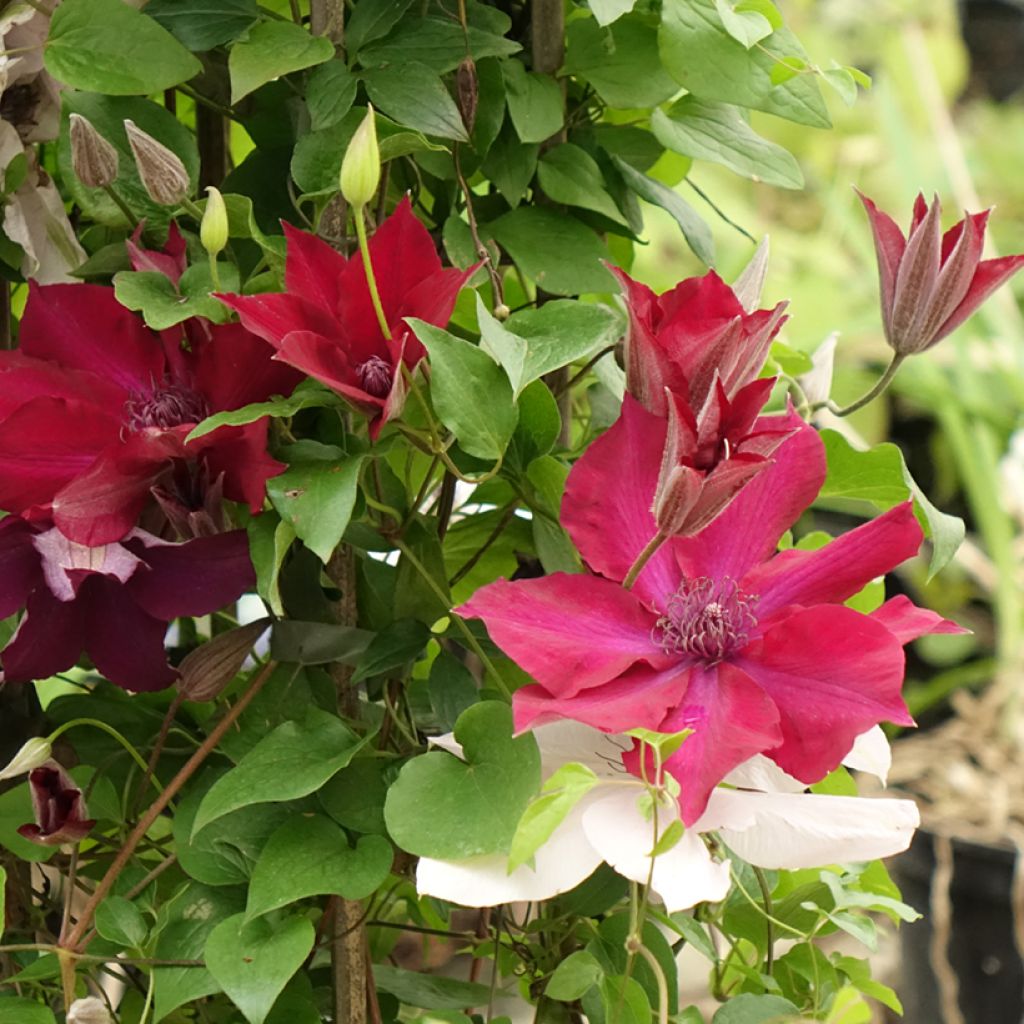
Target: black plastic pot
[(981, 949)]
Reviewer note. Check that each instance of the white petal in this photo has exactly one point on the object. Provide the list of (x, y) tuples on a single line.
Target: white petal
[(566, 741), (60, 556), (683, 876), (564, 861), (871, 753), (787, 830), (447, 742), (765, 775)]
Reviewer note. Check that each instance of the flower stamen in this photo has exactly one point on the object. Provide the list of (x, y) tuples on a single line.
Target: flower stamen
[(706, 619)]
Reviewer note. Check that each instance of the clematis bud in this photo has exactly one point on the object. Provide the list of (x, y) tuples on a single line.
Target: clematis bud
[(59, 808), (162, 173), (207, 670), (467, 91), (89, 1011), (360, 169), (931, 283), (213, 228), (93, 158), (33, 754)]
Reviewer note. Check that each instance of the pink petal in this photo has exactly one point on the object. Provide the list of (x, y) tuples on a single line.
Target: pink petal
[(64, 562), (889, 247), (748, 531), (989, 276), (274, 316), (732, 719), (607, 503), (83, 326), (907, 622), (841, 568), (313, 269), (570, 632), (170, 262), (833, 674)]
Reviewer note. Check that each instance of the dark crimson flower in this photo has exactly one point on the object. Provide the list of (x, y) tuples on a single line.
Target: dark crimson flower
[(680, 340), (112, 601), (59, 808), (752, 650), (324, 323), (95, 409), (930, 282)]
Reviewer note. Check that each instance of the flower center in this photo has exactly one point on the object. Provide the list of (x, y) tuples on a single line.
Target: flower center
[(164, 408), (375, 377), (706, 619)]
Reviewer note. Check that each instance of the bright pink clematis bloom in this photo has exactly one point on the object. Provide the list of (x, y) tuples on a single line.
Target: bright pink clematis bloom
[(753, 650), (113, 601), (931, 283), (95, 409), (324, 323), (681, 339)]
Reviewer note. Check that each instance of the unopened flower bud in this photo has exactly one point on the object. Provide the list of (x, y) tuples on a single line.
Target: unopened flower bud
[(93, 158), (360, 169), (162, 173), (467, 92), (208, 669), (60, 811), (89, 1011), (213, 229), (37, 751)]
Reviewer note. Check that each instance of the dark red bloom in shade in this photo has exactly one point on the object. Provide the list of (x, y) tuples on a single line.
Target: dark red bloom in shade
[(112, 601), (755, 651), (324, 323), (95, 408), (59, 808), (681, 339), (931, 283)]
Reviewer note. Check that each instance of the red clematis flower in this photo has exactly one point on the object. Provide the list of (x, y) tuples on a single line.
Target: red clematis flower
[(325, 324), (931, 283), (113, 601), (754, 651), (95, 409), (680, 340), (58, 806)]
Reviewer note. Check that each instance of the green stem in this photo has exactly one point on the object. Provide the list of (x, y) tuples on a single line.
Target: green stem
[(371, 279), (882, 383), (112, 732), (133, 222), (634, 945), (643, 558), (769, 910), (214, 272)]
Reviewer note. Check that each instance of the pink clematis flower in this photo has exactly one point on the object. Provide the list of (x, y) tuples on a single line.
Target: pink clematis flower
[(753, 650), (59, 808), (113, 601), (680, 340), (95, 409), (931, 283), (324, 323)]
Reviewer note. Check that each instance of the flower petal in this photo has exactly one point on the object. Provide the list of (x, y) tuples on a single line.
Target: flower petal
[(871, 753), (988, 277), (19, 565), (48, 640), (804, 830), (240, 453), (327, 362), (570, 632), (889, 247), (23, 378), (907, 622), (762, 774), (313, 269), (275, 315)]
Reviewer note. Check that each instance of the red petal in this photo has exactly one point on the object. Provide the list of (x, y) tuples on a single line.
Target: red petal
[(313, 269), (23, 378), (272, 317), (48, 640), (990, 275), (240, 453), (907, 622), (327, 362), (889, 247), (19, 565)]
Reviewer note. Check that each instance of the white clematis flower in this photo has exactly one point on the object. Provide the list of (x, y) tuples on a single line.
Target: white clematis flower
[(769, 822)]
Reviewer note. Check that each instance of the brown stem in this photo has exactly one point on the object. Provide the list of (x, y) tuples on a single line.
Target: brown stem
[(212, 138), (327, 18), (71, 942)]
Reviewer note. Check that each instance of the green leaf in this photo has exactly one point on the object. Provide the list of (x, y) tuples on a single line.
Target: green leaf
[(296, 759), (607, 11), (570, 175), (561, 793), (86, 50), (669, 838), (272, 49), (119, 920), (269, 540), (786, 69), (311, 856), (437, 42), (310, 394), (880, 476), (160, 302), (253, 961), (441, 806), (470, 392), (535, 102), (696, 232), (844, 84), (203, 24), (719, 133), (556, 251), (316, 494), (621, 63), (701, 55), (535, 342), (573, 976), (394, 647), (510, 164), (15, 1010), (414, 95), (372, 19), (427, 991), (354, 798), (330, 93), (540, 423), (752, 1009), (745, 26), (618, 1000), (451, 687), (317, 643)]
